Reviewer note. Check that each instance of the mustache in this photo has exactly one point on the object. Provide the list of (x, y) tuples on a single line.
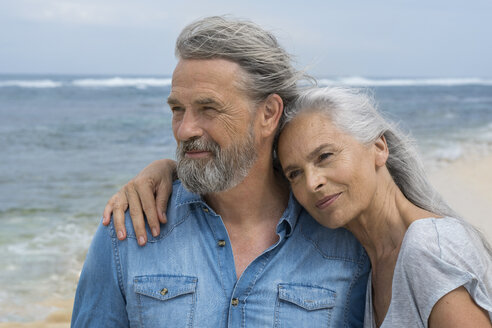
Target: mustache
[(199, 144)]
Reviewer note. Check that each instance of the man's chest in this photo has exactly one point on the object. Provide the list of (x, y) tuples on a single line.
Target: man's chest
[(197, 287)]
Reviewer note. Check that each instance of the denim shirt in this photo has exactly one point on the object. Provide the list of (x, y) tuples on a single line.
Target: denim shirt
[(185, 277)]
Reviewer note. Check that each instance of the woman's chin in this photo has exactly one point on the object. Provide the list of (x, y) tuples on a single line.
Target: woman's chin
[(332, 221)]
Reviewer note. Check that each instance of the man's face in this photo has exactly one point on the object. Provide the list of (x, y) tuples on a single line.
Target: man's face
[(213, 125)]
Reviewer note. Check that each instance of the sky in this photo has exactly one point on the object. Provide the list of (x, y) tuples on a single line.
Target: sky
[(330, 38)]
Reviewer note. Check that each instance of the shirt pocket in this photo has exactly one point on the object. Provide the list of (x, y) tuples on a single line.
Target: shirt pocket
[(165, 300), (303, 305)]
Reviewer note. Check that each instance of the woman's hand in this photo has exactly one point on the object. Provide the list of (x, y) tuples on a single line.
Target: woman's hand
[(147, 193)]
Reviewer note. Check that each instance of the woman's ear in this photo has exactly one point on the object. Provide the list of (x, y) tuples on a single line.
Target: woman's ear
[(381, 151), (269, 114)]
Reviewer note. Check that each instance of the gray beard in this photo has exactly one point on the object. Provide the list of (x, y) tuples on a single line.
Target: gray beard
[(225, 170)]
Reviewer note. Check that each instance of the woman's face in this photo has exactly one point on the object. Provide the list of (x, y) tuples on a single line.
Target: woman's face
[(331, 173)]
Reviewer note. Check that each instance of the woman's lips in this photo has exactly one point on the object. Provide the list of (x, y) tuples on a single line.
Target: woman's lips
[(327, 201)]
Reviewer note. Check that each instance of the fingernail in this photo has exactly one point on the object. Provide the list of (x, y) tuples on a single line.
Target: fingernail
[(154, 232), (120, 234), (141, 241)]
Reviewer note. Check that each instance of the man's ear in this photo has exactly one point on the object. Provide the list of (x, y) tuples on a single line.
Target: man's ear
[(269, 114), (381, 151)]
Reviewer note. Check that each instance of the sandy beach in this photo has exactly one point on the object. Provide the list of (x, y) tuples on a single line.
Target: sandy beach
[(467, 187), (60, 312), (466, 184)]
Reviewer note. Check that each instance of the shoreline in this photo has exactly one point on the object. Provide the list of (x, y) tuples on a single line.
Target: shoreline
[(60, 314), (466, 184)]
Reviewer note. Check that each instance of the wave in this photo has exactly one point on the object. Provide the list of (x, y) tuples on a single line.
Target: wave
[(143, 83), (31, 83), (361, 81), (140, 83), (115, 82)]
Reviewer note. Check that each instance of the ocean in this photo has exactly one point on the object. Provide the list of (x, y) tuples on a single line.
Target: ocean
[(69, 142)]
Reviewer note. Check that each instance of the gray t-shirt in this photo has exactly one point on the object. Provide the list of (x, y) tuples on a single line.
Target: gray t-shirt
[(436, 257)]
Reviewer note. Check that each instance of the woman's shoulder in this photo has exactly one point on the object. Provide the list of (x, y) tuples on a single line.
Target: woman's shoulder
[(439, 235), (447, 240), (433, 226), (437, 256)]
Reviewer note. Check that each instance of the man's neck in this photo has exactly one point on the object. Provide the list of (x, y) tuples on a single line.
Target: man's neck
[(261, 196), (250, 212)]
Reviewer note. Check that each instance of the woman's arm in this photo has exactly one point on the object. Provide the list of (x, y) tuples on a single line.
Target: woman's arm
[(457, 309), (147, 194)]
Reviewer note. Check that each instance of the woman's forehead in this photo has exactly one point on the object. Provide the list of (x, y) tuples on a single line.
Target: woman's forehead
[(310, 131), (307, 131), (307, 124)]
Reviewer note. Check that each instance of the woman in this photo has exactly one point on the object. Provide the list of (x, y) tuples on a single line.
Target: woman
[(350, 168)]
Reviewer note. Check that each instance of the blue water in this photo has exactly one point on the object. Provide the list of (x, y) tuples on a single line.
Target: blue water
[(69, 142)]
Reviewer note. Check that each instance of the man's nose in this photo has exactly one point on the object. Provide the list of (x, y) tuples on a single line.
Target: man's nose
[(188, 127)]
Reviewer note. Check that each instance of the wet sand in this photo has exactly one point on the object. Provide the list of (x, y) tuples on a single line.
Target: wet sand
[(60, 312)]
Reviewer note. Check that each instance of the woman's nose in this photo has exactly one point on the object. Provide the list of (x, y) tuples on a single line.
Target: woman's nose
[(315, 180)]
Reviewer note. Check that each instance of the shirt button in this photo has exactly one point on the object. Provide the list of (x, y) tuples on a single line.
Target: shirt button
[(163, 291), (235, 302), (221, 243), (205, 210)]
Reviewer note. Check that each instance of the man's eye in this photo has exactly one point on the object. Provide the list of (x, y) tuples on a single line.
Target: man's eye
[(176, 109), (209, 108)]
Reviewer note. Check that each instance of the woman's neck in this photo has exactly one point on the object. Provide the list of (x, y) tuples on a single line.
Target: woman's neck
[(381, 227)]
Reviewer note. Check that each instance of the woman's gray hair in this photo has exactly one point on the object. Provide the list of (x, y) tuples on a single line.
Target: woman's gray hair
[(354, 112), (267, 65)]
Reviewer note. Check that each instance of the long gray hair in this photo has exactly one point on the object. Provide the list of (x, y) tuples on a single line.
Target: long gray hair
[(355, 113), (267, 65)]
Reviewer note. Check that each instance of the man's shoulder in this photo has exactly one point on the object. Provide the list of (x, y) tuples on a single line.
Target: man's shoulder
[(179, 208), (332, 244)]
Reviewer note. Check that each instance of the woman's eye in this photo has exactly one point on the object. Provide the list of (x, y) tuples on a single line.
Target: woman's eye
[(293, 174), (324, 156)]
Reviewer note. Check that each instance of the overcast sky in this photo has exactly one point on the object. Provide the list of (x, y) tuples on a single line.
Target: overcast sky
[(371, 38)]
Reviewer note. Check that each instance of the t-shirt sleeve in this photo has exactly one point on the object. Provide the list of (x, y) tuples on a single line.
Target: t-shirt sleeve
[(441, 255)]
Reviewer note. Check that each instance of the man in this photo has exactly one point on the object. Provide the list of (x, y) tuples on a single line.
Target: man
[(237, 250)]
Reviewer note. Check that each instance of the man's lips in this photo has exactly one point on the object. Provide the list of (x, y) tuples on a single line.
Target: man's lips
[(197, 153), (327, 201)]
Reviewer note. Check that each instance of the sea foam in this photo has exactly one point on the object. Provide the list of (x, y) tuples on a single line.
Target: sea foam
[(31, 83), (362, 81), (140, 83), (143, 83)]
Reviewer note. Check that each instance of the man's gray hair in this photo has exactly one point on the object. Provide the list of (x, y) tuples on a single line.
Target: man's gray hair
[(354, 112), (267, 65)]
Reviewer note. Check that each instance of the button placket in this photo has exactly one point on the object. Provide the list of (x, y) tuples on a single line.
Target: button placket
[(222, 247)]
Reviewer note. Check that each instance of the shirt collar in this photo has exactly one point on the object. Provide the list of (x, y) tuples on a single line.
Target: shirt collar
[(287, 222), (290, 216), (185, 197)]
